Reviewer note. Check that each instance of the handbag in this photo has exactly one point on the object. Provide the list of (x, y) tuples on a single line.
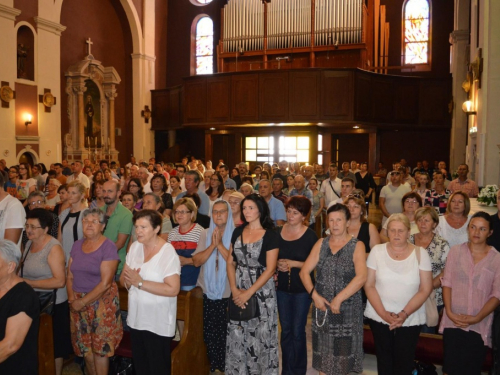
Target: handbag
[(251, 310), (430, 304), (47, 299)]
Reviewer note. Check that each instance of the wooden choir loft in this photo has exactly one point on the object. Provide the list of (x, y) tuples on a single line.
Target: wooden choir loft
[(311, 68)]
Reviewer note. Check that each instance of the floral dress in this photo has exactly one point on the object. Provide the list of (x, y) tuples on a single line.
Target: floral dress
[(438, 250), (252, 346)]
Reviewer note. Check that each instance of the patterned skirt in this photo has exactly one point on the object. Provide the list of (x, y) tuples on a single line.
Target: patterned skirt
[(97, 328)]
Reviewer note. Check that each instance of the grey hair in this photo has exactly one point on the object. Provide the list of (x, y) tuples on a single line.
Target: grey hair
[(36, 193), (10, 252), (94, 211)]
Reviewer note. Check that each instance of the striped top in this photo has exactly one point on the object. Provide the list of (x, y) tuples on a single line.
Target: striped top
[(185, 244)]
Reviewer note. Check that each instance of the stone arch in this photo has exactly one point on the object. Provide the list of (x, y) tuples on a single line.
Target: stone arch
[(132, 17), (28, 149)]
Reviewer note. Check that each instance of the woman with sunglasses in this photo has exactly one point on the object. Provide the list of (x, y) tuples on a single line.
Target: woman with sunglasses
[(411, 203)]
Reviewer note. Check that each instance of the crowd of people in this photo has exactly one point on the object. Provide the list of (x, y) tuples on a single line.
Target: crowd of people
[(263, 246)]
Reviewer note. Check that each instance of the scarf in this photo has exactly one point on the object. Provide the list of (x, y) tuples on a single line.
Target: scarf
[(215, 280)]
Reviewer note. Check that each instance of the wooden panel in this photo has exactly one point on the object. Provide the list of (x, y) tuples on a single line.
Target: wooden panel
[(434, 99), (273, 96), (245, 97), (160, 105), (382, 99), (336, 93), (304, 94), (218, 99), (363, 97), (175, 110), (406, 101), (196, 107)]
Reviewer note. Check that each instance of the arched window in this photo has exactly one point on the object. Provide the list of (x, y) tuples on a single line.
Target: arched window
[(416, 30), (204, 49)]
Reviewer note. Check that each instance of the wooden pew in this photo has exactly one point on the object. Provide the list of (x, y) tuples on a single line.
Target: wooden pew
[(190, 355), (46, 364)]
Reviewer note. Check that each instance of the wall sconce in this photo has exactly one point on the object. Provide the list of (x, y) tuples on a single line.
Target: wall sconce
[(27, 119), (468, 108), (146, 113)]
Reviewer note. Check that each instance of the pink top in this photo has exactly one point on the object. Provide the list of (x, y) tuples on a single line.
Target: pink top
[(472, 285), (469, 186)]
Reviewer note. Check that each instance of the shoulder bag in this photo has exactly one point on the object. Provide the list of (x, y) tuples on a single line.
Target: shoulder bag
[(251, 309), (47, 299), (431, 312)]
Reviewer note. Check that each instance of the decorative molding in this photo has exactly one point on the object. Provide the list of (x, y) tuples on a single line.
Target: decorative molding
[(9, 12), (28, 139), (457, 36), (143, 57), (50, 26)]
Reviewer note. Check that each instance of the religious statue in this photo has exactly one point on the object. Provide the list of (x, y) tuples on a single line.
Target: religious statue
[(22, 55), (89, 110)]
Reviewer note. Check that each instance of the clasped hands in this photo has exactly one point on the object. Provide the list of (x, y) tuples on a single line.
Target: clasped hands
[(283, 265), (462, 320), (241, 297), (322, 303), (131, 276), (395, 320)]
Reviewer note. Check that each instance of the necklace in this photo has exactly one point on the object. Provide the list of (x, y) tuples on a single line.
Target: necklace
[(393, 252), (324, 318), (157, 240)]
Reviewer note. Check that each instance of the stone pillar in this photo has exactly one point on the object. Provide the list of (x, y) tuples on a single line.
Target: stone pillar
[(80, 90), (111, 98)]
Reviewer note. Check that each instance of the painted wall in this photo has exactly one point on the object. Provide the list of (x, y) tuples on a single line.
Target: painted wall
[(108, 28)]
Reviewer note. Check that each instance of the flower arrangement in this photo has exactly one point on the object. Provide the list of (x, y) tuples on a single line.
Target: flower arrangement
[(488, 195)]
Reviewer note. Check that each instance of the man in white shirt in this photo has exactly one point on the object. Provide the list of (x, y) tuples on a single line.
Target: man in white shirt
[(78, 175), (12, 216), (354, 167), (144, 177), (391, 196), (331, 187), (346, 189)]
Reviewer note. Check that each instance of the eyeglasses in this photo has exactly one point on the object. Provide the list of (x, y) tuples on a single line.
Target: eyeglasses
[(87, 222), (36, 202), (394, 173), (219, 212), (131, 186), (29, 226), (182, 212), (354, 196), (233, 202)]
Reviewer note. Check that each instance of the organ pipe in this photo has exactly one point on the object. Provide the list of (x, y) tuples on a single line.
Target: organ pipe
[(336, 22)]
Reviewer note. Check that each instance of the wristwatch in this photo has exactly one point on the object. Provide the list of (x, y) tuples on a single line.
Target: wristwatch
[(139, 286)]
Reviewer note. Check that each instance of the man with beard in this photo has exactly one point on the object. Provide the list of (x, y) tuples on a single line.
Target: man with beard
[(118, 220)]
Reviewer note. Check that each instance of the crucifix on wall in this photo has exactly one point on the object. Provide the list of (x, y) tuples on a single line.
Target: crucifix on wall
[(89, 47)]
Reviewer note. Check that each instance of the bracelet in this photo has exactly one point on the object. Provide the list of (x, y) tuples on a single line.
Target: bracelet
[(312, 291), (407, 316)]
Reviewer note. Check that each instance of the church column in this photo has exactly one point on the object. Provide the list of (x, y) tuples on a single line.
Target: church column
[(80, 90), (488, 110), (111, 97)]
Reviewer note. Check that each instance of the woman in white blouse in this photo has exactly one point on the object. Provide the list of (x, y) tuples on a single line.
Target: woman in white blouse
[(453, 224), (398, 284), (152, 277)]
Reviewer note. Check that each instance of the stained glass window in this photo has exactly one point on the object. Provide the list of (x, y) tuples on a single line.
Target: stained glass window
[(416, 32), (204, 46)]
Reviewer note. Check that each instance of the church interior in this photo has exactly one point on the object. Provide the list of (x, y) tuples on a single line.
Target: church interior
[(350, 87)]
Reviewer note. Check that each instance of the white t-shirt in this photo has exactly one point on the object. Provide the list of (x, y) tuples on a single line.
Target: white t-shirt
[(147, 188), (12, 215), (81, 177), (331, 190), (393, 196), (146, 311), (397, 281)]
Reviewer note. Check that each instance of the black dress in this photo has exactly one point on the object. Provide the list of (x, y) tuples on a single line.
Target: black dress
[(21, 298)]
